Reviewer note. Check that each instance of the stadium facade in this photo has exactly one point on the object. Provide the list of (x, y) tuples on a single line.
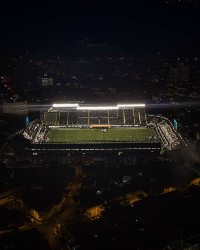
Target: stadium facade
[(73, 133), (15, 108)]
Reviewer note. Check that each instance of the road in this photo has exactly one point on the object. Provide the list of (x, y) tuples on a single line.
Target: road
[(54, 227)]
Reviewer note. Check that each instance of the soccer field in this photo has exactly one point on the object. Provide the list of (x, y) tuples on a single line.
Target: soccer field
[(71, 135)]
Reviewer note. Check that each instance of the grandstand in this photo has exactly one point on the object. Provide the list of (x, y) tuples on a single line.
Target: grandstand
[(52, 118), (36, 132), (164, 130), (120, 115)]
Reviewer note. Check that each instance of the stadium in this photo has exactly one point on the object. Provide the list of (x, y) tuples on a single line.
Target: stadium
[(82, 129)]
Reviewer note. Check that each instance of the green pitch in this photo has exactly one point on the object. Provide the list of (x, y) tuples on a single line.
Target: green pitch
[(72, 135)]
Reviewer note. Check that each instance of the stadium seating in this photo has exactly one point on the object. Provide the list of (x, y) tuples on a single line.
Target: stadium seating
[(128, 117), (94, 120), (82, 113), (137, 120), (63, 118), (113, 113), (36, 131), (72, 118), (82, 121), (51, 118), (98, 113), (120, 117), (103, 120), (168, 135), (143, 118), (42, 135)]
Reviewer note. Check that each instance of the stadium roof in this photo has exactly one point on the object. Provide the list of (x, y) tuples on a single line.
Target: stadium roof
[(95, 107), (65, 105), (130, 105)]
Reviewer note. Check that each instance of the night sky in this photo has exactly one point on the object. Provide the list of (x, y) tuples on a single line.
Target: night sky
[(144, 27)]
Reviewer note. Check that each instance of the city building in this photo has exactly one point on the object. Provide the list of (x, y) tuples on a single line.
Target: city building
[(179, 74), (46, 81), (15, 108)]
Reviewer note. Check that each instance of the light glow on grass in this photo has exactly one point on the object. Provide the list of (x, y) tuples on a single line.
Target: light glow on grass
[(72, 135)]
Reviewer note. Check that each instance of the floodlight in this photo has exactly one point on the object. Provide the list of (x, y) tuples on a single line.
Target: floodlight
[(130, 105), (98, 108), (65, 105)]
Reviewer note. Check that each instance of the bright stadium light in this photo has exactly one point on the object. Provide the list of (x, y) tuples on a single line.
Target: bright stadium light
[(130, 105), (65, 105), (98, 108)]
